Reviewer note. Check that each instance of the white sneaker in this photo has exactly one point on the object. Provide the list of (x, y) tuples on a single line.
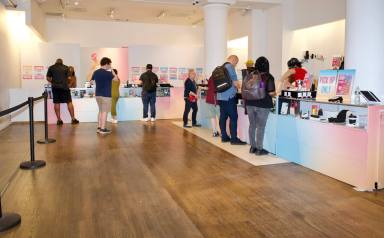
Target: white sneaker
[(145, 119), (153, 119), (114, 121)]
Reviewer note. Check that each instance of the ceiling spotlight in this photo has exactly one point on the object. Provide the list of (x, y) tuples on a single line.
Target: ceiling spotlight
[(195, 2), (76, 3), (162, 14), (111, 13)]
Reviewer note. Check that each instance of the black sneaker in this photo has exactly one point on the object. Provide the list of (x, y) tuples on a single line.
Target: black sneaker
[(216, 134), (262, 152), (104, 131), (59, 122), (237, 141), (252, 150), (196, 125), (225, 139), (186, 126), (98, 130), (75, 121)]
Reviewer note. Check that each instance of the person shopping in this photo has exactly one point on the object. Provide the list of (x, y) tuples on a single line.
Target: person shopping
[(258, 110), (213, 107), (294, 75), (228, 104), (58, 75), (103, 78), (149, 82), (115, 97), (72, 80), (190, 98)]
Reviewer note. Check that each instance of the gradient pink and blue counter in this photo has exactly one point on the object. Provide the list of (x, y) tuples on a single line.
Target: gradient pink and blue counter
[(86, 109), (352, 155)]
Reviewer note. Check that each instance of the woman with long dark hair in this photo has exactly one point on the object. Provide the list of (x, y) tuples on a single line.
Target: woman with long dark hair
[(258, 110)]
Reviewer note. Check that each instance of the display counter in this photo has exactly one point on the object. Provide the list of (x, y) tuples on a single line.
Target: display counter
[(353, 154), (169, 105)]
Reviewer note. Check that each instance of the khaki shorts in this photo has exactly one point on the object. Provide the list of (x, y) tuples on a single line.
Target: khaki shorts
[(213, 111), (104, 103)]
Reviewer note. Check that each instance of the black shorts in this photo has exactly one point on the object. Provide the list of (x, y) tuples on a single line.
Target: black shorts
[(61, 95)]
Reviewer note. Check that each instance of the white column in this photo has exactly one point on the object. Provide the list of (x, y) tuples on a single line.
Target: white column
[(365, 43), (216, 19), (257, 43)]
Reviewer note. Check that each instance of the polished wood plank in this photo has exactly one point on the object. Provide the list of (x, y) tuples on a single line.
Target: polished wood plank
[(157, 180)]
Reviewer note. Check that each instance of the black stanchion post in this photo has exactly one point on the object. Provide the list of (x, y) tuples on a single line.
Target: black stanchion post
[(8, 220), (46, 139), (33, 164)]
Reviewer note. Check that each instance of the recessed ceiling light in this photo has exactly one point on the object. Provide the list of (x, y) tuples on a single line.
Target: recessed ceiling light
[(76, 3)]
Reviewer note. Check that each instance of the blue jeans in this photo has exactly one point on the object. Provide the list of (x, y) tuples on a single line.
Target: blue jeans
[(228, 109), (149, 99)]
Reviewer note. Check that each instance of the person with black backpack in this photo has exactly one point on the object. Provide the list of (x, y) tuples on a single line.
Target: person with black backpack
[(226, 96), (149, 82), (258, 90)]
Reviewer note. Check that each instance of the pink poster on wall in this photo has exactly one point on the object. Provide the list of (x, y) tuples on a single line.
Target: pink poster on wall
[(38, 72), (183, 73), (163, 75), (135, 73), (27, 72), (172, 73), (90, 61)]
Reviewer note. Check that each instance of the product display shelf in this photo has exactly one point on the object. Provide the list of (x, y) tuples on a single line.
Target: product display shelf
[(350, 154)]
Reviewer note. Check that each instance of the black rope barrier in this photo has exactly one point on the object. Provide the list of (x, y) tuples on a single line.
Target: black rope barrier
[(32, 164), (10, 220), (46, 140), (12, 109)]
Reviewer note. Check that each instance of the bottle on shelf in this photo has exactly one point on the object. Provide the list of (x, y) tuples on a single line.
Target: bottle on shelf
[(356, 99)]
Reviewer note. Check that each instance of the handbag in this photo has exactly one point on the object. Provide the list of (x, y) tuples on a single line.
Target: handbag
[(192, 98)]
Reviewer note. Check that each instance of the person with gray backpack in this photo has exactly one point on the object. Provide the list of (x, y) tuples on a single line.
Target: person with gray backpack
[(257, 90)]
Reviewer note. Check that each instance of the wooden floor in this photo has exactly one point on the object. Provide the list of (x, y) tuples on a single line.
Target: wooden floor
[(148, 180)]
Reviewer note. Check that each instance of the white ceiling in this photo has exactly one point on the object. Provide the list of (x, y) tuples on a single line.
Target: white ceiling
[(179, 12)]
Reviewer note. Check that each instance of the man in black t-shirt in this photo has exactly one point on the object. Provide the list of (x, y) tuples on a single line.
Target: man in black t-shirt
[(57, 75), (149, 82)]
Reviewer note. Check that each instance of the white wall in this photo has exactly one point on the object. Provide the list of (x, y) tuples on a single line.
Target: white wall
[(239, 25), (301, 14), (105, 34), (307, 13), (45, 54), (327, 40), (9, 64), (274, 40), (35, 17)]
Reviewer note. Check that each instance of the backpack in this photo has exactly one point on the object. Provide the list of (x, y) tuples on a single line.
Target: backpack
[(221, 79), (149, 83), (253, 87)]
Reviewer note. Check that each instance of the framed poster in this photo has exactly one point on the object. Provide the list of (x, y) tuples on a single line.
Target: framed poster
[(135, 73), (163, 77), (345, 82), (38, 72), (183, 73), (27, 72), (156, 70), (172, 73), (327, 84), (199, 73)]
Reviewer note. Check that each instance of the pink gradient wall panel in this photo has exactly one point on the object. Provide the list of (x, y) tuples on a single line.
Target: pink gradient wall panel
[(90, 60)]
